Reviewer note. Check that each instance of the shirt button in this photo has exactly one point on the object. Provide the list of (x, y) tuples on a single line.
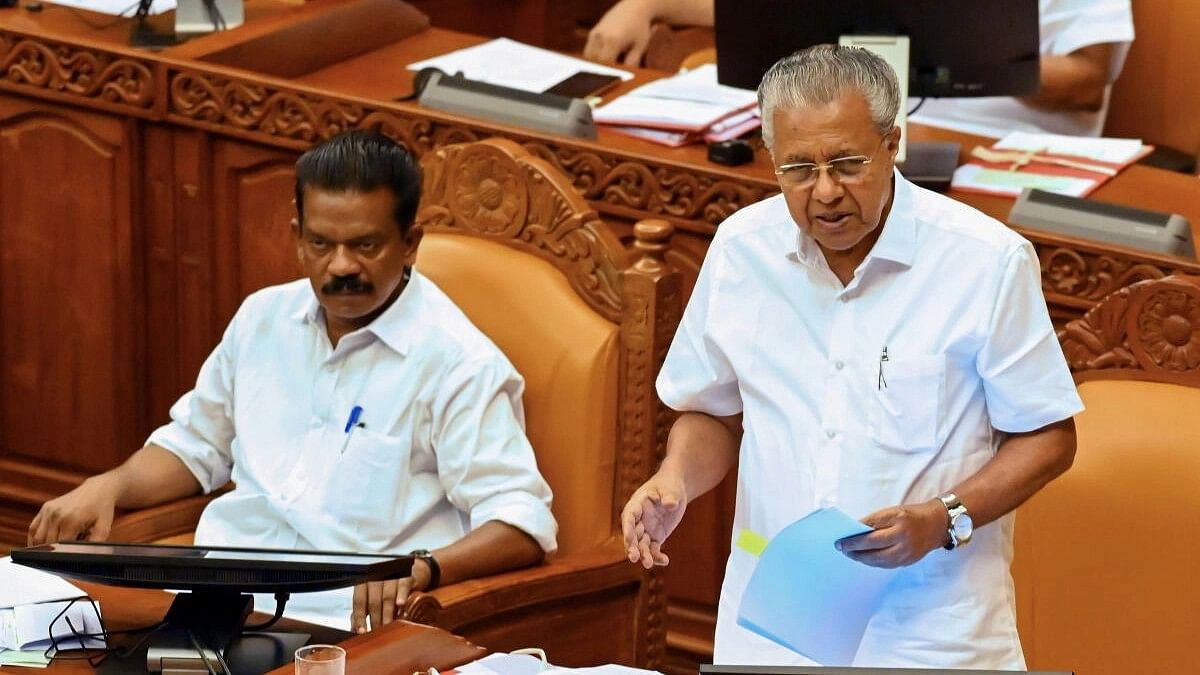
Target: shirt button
[(830, 433), (844, 298), (316, 422), (838, 364)]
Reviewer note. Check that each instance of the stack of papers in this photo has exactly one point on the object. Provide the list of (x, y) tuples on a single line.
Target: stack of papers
[(1069, 165), (508, 63), (684, 108), (35, 605)]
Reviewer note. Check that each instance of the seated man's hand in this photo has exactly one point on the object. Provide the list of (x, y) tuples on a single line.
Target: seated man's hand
[(902, 536), (378, 603), (83, 513), (623, 30), (650, 516)]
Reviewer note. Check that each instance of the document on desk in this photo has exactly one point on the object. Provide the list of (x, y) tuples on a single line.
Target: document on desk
[(509, 63), (36, 604), (117, 7), (808, 596)]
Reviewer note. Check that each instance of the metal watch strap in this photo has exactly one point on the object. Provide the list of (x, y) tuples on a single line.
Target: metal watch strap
[(435, 570), (954, 509)]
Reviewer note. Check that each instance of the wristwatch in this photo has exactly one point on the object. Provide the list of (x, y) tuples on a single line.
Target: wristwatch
[(961, 525), (435, 570)]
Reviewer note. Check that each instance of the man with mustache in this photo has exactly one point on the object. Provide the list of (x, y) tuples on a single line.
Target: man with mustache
[(860, 342), (357, 410)]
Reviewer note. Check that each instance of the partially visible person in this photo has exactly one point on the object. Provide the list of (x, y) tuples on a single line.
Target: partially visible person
[(1083, 46), (355, 410), (838, 351)]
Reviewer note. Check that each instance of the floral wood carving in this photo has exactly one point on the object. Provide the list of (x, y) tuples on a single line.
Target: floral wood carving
[(497, 190), (1151, 326), (77, 71), (1090, 276)]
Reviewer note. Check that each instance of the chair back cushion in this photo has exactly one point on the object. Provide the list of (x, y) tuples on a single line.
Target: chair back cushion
[(568, 355), (1106, 553)]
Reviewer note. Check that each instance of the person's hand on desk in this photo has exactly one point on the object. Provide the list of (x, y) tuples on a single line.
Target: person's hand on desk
[(378, 603), (650, 516), (83, 513), (902, 535), (623, 30)]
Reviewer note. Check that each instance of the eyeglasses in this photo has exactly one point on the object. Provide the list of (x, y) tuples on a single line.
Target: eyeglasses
[(845, 170)]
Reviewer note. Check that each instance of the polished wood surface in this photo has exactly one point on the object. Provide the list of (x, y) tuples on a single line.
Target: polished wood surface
[(121, 288), (400, 648)]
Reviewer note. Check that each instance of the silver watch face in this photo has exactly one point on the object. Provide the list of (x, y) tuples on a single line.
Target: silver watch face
[(962, 526)]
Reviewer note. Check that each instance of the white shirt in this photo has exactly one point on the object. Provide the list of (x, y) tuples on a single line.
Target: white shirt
[(1066, 25), (954, 296), (443, 448)]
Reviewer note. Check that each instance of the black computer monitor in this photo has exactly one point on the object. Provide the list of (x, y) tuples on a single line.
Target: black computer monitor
[(204, 626), (955, 49), (822, 670)]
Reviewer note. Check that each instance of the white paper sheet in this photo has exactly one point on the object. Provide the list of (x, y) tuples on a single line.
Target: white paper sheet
[(509, 63), (689, 101), (979, 178), (808, 596), (20, 585), (117, 7), (1115, 150)]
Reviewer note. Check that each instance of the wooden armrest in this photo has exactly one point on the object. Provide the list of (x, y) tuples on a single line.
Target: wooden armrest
[(555, 579), (162, 521)]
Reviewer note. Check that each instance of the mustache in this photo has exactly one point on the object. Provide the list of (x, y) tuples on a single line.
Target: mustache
[(347, 285)]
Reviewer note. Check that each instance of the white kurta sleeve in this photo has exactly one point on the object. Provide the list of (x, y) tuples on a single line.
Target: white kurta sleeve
[(697, 375), (1026, 381), (484, 460)]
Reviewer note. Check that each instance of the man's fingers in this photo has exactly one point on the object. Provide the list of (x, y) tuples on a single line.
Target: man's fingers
[(358, 612), (660, 558), (387, 605), (633, 56), (629, 519), (375, 604), (871, 541)]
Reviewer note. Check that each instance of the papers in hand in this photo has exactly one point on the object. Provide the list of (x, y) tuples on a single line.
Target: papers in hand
[(509, 63), (1069, 165), (808, 596), (31, 602), (688, 103)]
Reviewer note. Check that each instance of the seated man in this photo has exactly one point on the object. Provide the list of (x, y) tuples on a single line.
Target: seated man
[(357, 410), (1083, 44)]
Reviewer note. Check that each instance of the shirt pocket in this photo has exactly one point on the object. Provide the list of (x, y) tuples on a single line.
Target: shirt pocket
[(907, 407), (367, 477)]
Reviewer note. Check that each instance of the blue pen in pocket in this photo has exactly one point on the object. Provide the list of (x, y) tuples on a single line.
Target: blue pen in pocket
[(352, 423)]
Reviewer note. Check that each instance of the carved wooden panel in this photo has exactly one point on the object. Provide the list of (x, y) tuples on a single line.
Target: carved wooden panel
[(253, 188), (71, 345)]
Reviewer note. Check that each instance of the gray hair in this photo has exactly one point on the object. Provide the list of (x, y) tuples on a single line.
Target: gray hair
[(821, 74)]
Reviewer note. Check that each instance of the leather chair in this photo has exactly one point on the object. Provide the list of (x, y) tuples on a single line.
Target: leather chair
[(587, 323), (1105, 554)]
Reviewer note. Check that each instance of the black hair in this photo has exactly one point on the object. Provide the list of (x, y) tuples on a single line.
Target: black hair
[(361, 161)]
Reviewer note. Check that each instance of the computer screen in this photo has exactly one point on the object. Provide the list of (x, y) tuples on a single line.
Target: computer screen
[(976, 48), (244, 570), (822, 670)]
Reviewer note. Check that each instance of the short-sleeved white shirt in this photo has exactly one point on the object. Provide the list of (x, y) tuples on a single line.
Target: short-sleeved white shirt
[(440, 451), (955, 299), (1066, 25)]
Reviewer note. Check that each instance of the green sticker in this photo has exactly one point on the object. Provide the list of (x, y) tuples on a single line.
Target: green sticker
[(1021, 179), (752, 543)]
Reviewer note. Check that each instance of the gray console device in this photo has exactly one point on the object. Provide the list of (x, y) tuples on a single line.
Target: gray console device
[(1148, 230), (543, 112)]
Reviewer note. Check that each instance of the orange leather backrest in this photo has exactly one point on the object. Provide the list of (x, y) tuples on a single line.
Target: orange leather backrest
[(1106, 554), (568, 355)]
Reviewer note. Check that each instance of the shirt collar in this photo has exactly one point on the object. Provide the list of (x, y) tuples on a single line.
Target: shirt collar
[(394, 327), (897, 241)]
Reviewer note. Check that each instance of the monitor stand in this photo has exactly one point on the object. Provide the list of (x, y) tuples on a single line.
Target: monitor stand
[(931, 164), (215, 620)]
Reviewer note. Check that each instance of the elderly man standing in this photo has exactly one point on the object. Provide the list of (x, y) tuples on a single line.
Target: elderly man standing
[(877, 347)]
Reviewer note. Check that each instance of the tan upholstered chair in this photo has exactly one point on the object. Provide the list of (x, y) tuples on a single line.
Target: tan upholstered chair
[(587, 324), (1106, 555)]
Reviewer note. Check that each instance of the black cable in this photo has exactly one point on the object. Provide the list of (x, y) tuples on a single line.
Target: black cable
[(52, 651), (280, 602), (920, 103)]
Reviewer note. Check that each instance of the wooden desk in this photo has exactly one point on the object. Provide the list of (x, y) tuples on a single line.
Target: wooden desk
[(400, 648)]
